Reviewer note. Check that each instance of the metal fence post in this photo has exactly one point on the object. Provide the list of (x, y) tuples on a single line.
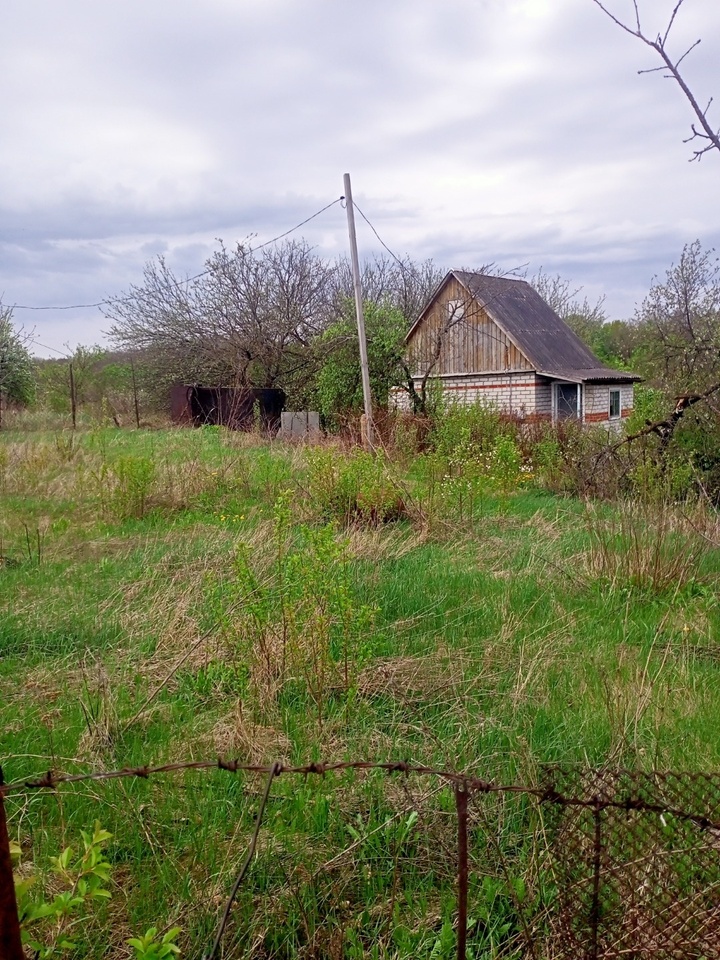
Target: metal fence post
[(597, 863), (461, 805), (10, 942)]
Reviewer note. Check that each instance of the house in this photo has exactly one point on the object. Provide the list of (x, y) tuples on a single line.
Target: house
[(495, 339)]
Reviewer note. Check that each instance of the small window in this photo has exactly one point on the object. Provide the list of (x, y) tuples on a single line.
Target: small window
[(614, 404), (455, 311)]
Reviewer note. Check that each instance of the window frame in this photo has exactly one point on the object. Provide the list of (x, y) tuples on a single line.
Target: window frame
[(578, 401), (617, 392), (455, 310)]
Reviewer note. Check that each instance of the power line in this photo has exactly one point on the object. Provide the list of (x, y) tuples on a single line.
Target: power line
[(197, 276), (393, 255), (45, 346), (297, 226)]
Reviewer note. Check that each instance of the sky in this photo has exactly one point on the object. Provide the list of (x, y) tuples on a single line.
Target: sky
[(511, 131)]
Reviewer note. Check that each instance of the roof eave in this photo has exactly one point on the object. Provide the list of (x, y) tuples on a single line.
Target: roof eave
[(606, 375)]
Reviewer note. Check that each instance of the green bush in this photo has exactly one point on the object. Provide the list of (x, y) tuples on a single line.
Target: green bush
[(135, 477), (353, 488)]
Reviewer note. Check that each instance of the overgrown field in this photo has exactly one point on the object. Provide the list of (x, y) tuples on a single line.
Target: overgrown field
[(179, 594)]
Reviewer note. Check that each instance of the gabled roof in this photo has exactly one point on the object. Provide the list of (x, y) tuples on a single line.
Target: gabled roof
[(533, 326)]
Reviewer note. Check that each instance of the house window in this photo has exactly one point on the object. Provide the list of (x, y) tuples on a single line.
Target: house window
[(614, 404), (455, 311), (567, 401)]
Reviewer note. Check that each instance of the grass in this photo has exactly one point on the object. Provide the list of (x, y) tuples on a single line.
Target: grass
[(219, 613)]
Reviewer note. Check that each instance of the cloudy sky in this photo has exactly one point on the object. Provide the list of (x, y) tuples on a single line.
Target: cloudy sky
[(516, 131)]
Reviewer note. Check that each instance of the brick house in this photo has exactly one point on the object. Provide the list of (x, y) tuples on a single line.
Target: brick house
[(495, 339)]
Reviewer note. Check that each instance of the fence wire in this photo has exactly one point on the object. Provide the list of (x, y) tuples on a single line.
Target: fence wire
[(588, 864), (638, 882)]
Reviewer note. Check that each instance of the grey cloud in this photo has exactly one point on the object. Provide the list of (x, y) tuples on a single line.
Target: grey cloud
[(515, 131)]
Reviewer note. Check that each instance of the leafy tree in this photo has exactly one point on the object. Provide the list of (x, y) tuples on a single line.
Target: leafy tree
[(397, 290), (17, 384), (54, 378), (679, 324), (338, 386), (678, 351), (616, 343)]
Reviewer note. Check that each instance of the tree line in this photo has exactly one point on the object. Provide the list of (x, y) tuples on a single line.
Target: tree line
[(284, 317)]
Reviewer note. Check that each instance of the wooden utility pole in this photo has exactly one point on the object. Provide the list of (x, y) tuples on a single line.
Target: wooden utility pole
[(135, 393), (369, 431), (73, 397)]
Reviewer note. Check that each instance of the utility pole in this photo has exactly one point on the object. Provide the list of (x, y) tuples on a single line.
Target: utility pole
[(73, 397), (370, 433)]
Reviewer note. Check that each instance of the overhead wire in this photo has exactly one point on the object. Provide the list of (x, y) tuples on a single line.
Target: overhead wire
[(197, 276), (402, 265)]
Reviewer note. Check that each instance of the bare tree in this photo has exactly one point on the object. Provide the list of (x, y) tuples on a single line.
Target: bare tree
[(702, 130), (583, 317), (247, 320), (266, 308), (404, 285)]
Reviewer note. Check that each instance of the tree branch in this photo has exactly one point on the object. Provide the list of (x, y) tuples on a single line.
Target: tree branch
[(659, 46)]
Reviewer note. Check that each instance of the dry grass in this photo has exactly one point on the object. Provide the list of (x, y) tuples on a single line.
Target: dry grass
[(237, 735), (382, 543), (439, 676), (645, 546)]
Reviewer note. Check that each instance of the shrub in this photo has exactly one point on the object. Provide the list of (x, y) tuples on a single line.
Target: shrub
[(459, 428), (135, 477), (353, 488), (50, 925), (300, 622)]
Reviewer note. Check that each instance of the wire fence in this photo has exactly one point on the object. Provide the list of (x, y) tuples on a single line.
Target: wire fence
[(623, 863)]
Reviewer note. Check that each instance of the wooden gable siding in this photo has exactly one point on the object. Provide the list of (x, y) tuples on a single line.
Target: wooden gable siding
[(474, 345)]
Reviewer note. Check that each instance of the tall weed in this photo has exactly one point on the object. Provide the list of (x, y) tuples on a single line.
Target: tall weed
[(300, 624), (353, 488), (645, 546), (134, 478)]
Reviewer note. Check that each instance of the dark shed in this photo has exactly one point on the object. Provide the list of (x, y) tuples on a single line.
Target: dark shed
[(238, 408)]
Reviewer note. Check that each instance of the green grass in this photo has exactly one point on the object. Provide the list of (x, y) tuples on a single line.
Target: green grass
[(492, 636)]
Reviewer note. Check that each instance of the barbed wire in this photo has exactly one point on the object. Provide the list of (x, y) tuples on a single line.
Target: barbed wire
[(591, 850), (466, 781)]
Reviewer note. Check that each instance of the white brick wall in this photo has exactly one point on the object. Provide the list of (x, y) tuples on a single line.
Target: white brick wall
[(597, 401), (522, 392)]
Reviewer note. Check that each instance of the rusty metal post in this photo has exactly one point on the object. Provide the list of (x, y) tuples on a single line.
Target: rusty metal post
[(597, 861), (461, 805), (10, 943)]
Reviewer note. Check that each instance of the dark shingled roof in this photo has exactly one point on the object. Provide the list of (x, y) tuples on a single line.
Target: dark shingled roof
[(546, 340)]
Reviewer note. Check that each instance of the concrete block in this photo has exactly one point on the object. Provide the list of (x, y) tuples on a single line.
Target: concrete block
[(299, 424)]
